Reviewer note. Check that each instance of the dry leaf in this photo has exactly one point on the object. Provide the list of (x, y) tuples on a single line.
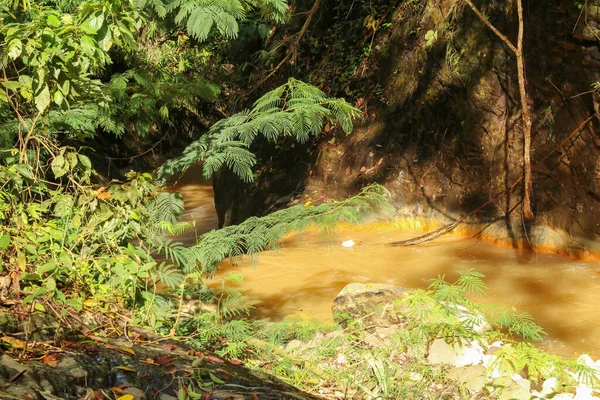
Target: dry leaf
[(14, 342), (164, 360), (51, 359), (214, 359), (127, 350)]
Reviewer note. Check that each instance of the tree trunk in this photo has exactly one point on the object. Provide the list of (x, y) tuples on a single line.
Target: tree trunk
[(526, 116), (527, 181)]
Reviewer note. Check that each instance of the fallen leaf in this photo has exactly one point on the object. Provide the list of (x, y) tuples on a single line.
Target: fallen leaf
[(4, 282), (127, 350), (16, 281), (125, 368), (51, 359), (14, 342), (235, 361), (125, 397), (214, 359), (164, 360)]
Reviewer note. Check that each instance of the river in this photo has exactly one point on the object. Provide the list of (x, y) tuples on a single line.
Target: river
[(307, 273)]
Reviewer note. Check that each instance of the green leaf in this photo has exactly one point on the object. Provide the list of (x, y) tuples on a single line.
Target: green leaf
[(23, 170), (11, 85), (58, 166), (75, 303), (42, 100), (53, 20), (25, 80), (88, 45), (215, 379), (93, 24), (15, 47), (85, 161), (65, 259), (49, 266), (4, 241), (72, 158), (39, 307), (58, 97)]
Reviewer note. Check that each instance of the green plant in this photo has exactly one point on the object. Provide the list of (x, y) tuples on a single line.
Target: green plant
[(296, 110)]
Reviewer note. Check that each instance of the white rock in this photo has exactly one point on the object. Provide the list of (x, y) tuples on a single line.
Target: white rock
[(441, 352), (471, 354), (563, 396), (549, 386), (348, 243), (583, 392)]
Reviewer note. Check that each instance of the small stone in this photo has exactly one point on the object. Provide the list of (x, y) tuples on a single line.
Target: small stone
[(415, 377), (164, 396), (549, 386), (294, 345), (72, 368), (563, 396), (515, 392), (524, 383), (441, 352), (473, 377), (136, 393)]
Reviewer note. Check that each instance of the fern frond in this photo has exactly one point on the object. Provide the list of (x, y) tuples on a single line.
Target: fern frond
[(296, 110), (522, 325), (169, 275), (259, 233), (166, 207)]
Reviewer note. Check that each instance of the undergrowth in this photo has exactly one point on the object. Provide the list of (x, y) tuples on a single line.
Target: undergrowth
[(391, 362)]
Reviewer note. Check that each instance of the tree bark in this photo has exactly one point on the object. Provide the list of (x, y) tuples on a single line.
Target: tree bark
[(527, 181)]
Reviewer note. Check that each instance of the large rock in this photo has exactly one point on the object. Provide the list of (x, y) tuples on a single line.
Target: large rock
[(368, 305)]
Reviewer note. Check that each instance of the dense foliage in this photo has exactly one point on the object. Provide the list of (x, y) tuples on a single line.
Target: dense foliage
[(73, 71)]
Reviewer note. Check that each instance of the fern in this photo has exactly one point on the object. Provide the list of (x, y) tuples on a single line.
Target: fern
[(166, 207), (296, 109), (259, 233), (168, 275), (201, 17), (522, 325)]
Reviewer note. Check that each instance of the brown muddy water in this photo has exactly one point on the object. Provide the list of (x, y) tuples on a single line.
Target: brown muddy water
[(307, 273)]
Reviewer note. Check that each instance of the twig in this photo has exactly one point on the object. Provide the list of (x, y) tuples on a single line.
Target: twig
[(292, 47)]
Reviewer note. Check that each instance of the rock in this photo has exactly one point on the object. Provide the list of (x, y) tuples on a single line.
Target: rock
[(515, 391), (583, 392), (368, 304), (441, 352), (473, 377), (563, 396), (72, 368), (136, 393), (549, 386)]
